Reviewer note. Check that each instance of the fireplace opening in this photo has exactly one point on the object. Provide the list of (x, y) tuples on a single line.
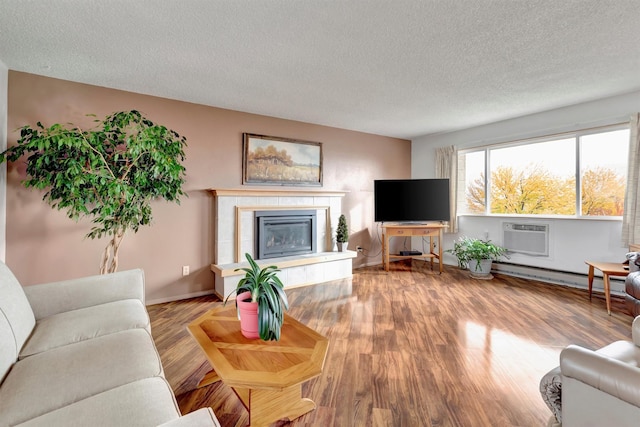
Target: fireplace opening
[(285, 232)]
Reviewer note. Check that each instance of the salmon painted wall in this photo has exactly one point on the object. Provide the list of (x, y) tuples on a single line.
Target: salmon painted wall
[(44, 245)]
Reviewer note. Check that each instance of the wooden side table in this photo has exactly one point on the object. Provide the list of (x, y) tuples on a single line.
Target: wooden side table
[(607, 269), (265, 375)]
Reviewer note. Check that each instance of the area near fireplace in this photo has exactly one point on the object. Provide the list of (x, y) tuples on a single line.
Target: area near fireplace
[(313, 258)]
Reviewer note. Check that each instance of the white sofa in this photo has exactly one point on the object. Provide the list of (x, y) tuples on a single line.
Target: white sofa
[(599, 387), (80, 353)]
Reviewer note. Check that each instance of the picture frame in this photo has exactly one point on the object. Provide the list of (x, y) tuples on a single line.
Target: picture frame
[(271, 160)]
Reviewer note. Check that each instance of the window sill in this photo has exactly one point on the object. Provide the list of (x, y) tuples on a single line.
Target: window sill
[(545, 217)]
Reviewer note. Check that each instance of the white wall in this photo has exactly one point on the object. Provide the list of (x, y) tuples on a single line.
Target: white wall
[(571, 241), (4, 84)]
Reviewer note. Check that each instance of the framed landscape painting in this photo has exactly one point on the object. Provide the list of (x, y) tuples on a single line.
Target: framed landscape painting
[(269, 160)]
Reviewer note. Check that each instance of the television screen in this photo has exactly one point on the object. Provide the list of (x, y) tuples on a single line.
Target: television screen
[(411, 200)]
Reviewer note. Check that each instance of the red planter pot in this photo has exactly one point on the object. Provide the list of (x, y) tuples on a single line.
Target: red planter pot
[(248, 312)]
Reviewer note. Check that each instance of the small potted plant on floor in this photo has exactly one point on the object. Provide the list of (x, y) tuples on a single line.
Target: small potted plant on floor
[(342, 233), (477, 255), (261, 301)]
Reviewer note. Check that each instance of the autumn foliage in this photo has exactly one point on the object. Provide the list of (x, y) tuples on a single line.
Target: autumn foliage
[(535, 191)]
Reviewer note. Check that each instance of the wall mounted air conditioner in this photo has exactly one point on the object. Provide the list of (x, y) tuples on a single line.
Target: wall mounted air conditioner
[(526, 238)]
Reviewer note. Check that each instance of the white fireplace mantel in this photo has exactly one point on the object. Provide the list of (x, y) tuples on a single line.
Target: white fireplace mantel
[(234, 235), (275, 192)]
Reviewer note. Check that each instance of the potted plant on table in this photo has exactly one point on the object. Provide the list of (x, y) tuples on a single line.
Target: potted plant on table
[(342, 233), (477, 255), (261, 301)]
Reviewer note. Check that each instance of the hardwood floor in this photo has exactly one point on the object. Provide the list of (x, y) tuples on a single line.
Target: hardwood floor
[(413, 348)]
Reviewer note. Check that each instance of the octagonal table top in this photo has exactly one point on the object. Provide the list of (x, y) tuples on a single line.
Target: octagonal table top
[(258, 364)]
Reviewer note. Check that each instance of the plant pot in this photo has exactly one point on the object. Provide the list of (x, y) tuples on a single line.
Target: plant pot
[(342, 246), (481, 269), (248, 312)]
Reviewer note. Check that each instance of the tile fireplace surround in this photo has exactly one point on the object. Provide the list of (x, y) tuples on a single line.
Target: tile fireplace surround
[(234, 236)]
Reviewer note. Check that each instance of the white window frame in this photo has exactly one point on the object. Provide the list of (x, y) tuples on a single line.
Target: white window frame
[(577, 135)]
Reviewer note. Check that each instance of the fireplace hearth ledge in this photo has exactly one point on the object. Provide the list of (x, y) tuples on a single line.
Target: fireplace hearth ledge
[(299, 270)]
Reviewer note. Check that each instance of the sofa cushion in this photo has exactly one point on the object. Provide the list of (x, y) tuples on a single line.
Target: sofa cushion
[(52, 298), (56, 378), (634, 261), (146, 402), (15, 307), (85, 323), (203, 417), (632, 284), (8, 348), (624, 351), (632, 296)]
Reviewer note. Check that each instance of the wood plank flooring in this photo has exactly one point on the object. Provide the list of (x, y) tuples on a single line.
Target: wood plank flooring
[(412, 347)]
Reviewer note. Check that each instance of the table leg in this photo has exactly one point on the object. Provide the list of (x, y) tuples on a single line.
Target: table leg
[(268, 406), (605, 279), (590, 280), (431, 251), (210, 378), (385, 252), (440, 249)]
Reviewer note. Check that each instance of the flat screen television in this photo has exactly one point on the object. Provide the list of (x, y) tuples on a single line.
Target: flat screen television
[(411, 200)]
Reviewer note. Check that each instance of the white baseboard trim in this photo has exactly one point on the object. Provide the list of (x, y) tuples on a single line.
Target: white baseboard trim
[(562, 278), (556, 277), (180, 297)]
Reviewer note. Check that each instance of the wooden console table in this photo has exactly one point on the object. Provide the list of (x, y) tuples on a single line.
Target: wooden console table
[(432, 231)]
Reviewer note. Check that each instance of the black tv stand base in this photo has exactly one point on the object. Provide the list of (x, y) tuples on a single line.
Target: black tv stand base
[(410, 253)]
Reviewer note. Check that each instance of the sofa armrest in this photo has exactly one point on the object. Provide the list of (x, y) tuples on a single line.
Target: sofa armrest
[(203, 417), (635, 328), (58, 297), (616, 378)]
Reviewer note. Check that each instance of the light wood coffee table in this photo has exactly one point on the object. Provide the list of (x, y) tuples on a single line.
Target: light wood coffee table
[(265, 375), (608, 269)]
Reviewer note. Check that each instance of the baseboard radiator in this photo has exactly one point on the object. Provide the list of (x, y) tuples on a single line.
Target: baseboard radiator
[(526, 238), (567, 278), (533, 240)]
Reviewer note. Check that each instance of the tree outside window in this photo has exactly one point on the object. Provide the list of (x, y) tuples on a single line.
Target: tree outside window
[(603, 162)]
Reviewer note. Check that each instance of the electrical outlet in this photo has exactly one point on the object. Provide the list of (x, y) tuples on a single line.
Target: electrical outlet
[(185, 270)]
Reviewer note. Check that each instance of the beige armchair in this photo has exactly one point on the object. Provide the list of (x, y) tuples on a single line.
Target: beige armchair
[(602, 387)]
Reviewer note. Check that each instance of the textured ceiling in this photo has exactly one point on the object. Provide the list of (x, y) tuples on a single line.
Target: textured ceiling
[(401, 68)]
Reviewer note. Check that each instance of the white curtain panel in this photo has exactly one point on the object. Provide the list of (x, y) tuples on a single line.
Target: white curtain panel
[(447, 167), (631, 215)]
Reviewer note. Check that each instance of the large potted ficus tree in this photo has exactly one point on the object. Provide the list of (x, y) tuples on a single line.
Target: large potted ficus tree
[(109, 173)]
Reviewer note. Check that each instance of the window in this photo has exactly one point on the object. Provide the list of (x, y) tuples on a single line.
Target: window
[(581, 174), (603, 172)]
